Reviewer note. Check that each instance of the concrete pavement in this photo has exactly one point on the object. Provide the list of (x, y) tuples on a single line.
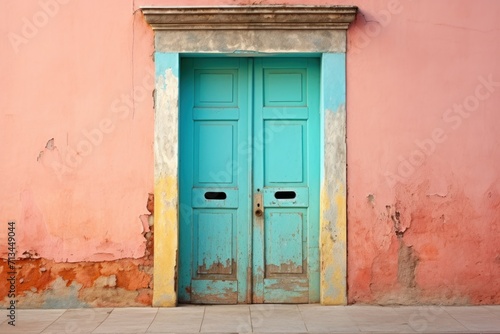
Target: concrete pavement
[(258, 319)]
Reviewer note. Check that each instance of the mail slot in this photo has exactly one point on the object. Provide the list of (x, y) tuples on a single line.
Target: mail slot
[(215, 195), (285, 195)]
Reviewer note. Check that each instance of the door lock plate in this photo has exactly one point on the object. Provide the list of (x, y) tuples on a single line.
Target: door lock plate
[(258, 208)]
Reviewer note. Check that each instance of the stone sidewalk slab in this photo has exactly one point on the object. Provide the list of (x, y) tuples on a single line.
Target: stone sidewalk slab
[(258, 318)]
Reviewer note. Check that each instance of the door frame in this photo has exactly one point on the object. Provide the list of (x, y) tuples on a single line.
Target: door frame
[(252, 31)]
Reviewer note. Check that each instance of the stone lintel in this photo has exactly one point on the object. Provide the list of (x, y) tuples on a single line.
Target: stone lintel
[(250, 17)]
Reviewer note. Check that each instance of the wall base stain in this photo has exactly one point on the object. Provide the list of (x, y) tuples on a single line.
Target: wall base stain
[(44, 283), (423, 248), (407, 264)]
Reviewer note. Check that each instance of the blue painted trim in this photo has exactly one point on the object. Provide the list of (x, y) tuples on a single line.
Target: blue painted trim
[(333, 80), (333, 93), (166, 60)]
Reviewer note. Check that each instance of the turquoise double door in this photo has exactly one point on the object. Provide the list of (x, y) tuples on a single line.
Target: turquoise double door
[(249, 180)]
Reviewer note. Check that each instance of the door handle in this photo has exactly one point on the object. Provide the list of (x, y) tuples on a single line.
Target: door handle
[(258, 208)]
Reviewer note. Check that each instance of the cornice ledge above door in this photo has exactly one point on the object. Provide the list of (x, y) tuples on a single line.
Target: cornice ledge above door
[(250, 17)]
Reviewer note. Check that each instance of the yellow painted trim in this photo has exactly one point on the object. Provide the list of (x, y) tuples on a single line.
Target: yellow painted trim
[(333, 242), (165, 241)]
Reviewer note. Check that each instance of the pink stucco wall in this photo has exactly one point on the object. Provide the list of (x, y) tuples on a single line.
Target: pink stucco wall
[(70, 77), (423, 138), (423, 90)]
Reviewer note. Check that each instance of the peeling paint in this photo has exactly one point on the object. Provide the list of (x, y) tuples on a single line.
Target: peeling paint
[(333, 219), (166, 186), (44, 283), (407, 265), (216, 298), (294, 289), (50, 144), (426, 249), (150, 205), (249, 41), (218, 267), (333, 211), (285, 268)]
